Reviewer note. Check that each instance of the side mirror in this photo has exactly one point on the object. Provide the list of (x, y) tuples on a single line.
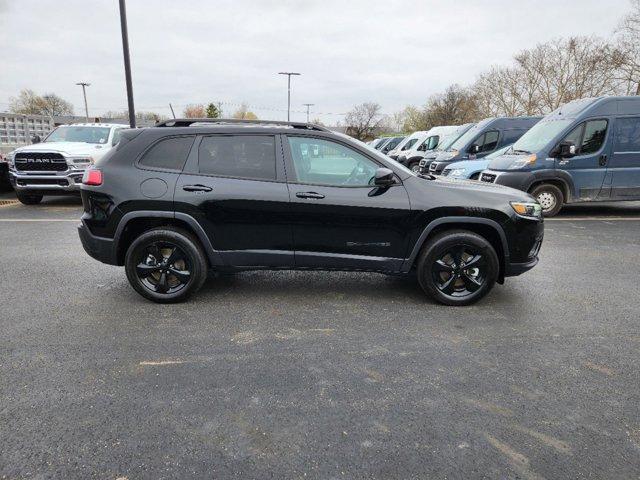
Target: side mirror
[(566, 150), (422, 148), (36, 139), (475, 148), (384, 177)]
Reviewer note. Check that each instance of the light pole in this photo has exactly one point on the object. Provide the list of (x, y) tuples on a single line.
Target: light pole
[(84, 94), (127, 63), (288, 74), (308, 105)]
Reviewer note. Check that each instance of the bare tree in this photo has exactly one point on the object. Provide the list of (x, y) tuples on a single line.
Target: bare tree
[(628, 49), (243, 113), (29, 103), (414, 119), (363, 121), (195, 111), (455, 106)]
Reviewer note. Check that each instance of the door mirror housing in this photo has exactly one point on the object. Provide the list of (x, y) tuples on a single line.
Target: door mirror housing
[(566, 149), (384, 177), (35, 139)]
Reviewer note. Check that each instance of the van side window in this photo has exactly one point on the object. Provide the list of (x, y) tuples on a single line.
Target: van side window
[(433, 142), (627, 135), (240, 156), (169, 154), (489, 142), (595, 132)]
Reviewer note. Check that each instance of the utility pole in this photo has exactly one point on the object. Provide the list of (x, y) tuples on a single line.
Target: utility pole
[(288, 74), (308, 105), (84, 94), (172, 112), (127, 63)]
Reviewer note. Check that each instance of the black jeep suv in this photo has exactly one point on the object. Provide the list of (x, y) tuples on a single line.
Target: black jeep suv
[(173, 201)]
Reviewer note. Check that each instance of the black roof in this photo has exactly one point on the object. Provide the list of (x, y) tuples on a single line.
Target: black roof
[(205, 122)]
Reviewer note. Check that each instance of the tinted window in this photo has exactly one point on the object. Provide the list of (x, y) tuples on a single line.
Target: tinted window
[(409, 144), (595, 132), (628, 135), (240, 156), (490, 141), (432, 142), (116, 136), (170, 153), (328, 163), (575, 135)]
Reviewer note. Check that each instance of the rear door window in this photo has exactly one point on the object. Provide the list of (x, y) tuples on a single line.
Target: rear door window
[(239, 156), (168, 154), (627, 135)]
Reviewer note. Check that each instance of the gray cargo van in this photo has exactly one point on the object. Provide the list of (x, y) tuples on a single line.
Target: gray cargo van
[(585, 151)]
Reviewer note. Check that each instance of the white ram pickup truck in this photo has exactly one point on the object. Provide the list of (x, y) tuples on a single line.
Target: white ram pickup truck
[(55, 165)]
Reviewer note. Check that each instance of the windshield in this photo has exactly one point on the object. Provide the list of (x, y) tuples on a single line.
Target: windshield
[(462, 141), (450, 139), (540, 135), (79, 134)]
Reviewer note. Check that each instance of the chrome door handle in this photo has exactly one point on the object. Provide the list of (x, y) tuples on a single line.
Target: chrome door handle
[(309, 195), (196, 188)]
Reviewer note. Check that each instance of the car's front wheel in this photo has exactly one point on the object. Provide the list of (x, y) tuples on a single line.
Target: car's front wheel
[(549, 197), (166, 265), (29, 199), (457, 267), (415, 167)]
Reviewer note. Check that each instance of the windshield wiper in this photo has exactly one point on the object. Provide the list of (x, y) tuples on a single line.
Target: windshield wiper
[(521, 152)]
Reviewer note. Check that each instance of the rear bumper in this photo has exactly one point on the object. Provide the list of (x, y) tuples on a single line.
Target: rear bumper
[(100, 248)]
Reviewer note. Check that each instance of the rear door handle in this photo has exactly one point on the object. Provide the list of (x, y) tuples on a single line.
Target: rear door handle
[(309, 195), (602, 160), (196, 188)]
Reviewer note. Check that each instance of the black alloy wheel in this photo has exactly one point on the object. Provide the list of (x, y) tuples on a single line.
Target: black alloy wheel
[(457, 267), (166, 265)]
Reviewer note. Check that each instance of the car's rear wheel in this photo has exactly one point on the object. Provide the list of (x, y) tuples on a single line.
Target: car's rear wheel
[(549, 197), (166, 265), (457, 267), (29, 198)]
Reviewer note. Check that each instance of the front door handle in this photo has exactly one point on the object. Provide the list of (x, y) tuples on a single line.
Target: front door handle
[(602, 160), (309, 195), (196, 188)]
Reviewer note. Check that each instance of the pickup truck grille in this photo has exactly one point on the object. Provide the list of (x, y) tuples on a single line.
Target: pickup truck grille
[(40, 162)]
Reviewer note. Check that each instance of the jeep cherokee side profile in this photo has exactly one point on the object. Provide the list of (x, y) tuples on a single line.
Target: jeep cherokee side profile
[(173, 201)]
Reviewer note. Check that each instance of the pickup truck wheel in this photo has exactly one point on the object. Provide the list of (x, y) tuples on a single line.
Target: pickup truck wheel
[(457, 267), (415, 167), (29, 199), (549, 197), (166, 265)]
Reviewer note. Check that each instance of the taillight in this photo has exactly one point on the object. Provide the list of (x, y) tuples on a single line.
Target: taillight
[(92, 177)]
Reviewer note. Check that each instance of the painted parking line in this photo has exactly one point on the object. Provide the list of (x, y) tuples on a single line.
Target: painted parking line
[(29, 220)]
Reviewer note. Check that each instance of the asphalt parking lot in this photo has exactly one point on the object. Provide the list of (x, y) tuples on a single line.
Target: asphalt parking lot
[(320, 375)]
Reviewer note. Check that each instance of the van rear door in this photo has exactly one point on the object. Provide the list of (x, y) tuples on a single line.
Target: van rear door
[(589, 166), (624, 165)]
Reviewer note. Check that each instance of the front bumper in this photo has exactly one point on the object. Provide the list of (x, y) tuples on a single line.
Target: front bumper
[(100, 248), (60, 182), (517, 180)]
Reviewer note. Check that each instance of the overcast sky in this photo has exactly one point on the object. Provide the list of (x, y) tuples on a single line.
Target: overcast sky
[(195, 51)]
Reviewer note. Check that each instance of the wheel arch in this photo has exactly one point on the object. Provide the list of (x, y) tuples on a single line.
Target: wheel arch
[(560, 179), (485, 227), (133, 224)]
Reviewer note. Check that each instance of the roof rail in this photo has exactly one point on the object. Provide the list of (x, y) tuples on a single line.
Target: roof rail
[(187, 122)]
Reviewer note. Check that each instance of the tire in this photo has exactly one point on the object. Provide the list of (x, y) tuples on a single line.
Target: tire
[(29, 199), (414, 167), (439, 267), (166, 265), (549, 197)]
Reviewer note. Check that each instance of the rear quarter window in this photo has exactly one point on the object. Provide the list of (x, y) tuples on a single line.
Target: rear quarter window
[(167, 154)]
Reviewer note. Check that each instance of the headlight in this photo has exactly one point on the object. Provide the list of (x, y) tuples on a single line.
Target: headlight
[(456, 172), (527, 210), (523, 162)]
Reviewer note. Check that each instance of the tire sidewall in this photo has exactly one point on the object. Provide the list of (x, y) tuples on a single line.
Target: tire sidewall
[(188, 246), (434, 250), (29, 198)]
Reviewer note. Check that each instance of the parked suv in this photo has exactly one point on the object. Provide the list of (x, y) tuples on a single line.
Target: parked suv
[(585, 151), (173, 201), (55, 166), (484, 138)]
